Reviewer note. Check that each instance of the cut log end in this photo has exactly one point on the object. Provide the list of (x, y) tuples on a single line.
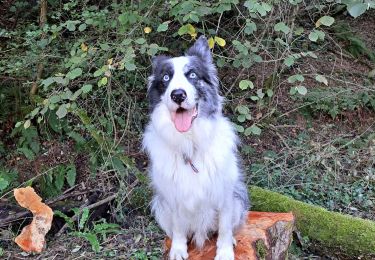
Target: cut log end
[(265, 235)]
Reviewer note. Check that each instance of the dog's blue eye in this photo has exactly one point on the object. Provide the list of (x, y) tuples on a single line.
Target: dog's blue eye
[(166, 77), (192, 75)]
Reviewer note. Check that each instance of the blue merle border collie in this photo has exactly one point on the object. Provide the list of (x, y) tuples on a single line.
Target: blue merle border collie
[(198, 189)]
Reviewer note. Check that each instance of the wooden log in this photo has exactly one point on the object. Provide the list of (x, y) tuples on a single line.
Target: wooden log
[(332, 233), (265, 235)]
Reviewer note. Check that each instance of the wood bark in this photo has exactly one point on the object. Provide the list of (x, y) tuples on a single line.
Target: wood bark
[(265, 235)]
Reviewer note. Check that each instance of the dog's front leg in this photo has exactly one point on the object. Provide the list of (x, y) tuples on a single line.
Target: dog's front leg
[(225, 237), (179, 241)]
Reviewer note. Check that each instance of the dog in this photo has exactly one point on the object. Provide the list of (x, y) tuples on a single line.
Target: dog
[(194, 170)]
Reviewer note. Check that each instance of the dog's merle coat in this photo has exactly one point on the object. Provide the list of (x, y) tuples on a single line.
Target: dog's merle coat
[(192, 148)]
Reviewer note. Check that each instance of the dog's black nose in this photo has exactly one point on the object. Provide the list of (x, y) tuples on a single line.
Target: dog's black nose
[(178, 96)]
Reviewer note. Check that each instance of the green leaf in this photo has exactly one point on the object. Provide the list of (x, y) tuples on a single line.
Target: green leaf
[(299, 30), (104, 46), (293, 90), (282, 27), (322, 79), (140, 41), (239, 128), (130, 66), (250, 27), (241, 118), (269, 92), (297, 77), (62, 111), (86, 88), (74, 73), (27, 124), (266, 7), (3, 184), (245, 84), (357, 9), (163, 27), (93, 239), (34, 112), (118, 165), (27, 152), (84, 218), (71, 175), (76, 137), (243, 109), (194, 17), (82, 27), (153, 49), (301, 90), (320, 34), (47, 82), (99, 72), (313, 36), (18, 124), (70, 26), (289, 61), (54, 99), (253, 130), (325, 20), (260, 93), (59, 178), (103, 81)]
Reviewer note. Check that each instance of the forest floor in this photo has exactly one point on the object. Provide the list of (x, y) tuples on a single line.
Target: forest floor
[(316, 153)]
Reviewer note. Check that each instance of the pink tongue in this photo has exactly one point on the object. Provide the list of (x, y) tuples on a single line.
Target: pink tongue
[(182, 120)]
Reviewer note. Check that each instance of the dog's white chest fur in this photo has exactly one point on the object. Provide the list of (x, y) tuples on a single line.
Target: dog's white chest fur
[(209, 145)]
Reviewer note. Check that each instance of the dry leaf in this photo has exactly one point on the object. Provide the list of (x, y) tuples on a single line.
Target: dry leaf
[(32, 237), (84, 47), (211, 42), (147, 29), (220, 41)]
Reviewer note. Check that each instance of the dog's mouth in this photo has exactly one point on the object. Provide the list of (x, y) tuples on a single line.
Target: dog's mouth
[(183, 118)]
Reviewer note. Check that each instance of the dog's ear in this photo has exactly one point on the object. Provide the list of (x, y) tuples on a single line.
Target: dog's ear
[(200, 49), (157, 60)]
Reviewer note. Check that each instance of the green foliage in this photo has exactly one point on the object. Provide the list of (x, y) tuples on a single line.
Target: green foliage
[(54, 180), (335, 101), (336, 177), (354, 44), (98, 232), (8, 180), (358, 7)]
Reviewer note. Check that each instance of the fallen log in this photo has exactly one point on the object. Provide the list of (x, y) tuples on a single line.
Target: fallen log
[(264, 236), (348, 236)]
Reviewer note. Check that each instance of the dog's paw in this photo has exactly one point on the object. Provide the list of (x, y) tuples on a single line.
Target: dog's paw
[(225, 253), (178, 252)]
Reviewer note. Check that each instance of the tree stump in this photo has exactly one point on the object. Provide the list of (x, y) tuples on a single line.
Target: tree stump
[(265, 235)]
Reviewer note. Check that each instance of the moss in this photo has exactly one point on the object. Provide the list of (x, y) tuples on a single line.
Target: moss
[(352, 236), (261, 249)]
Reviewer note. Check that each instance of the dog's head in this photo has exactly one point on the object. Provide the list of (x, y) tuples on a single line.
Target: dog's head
[(186, 85)]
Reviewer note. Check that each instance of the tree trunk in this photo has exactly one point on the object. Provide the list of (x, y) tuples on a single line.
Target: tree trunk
[(40, 67), (265, 236)]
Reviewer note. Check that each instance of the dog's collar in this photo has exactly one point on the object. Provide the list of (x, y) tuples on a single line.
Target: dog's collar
[(188, 161)]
